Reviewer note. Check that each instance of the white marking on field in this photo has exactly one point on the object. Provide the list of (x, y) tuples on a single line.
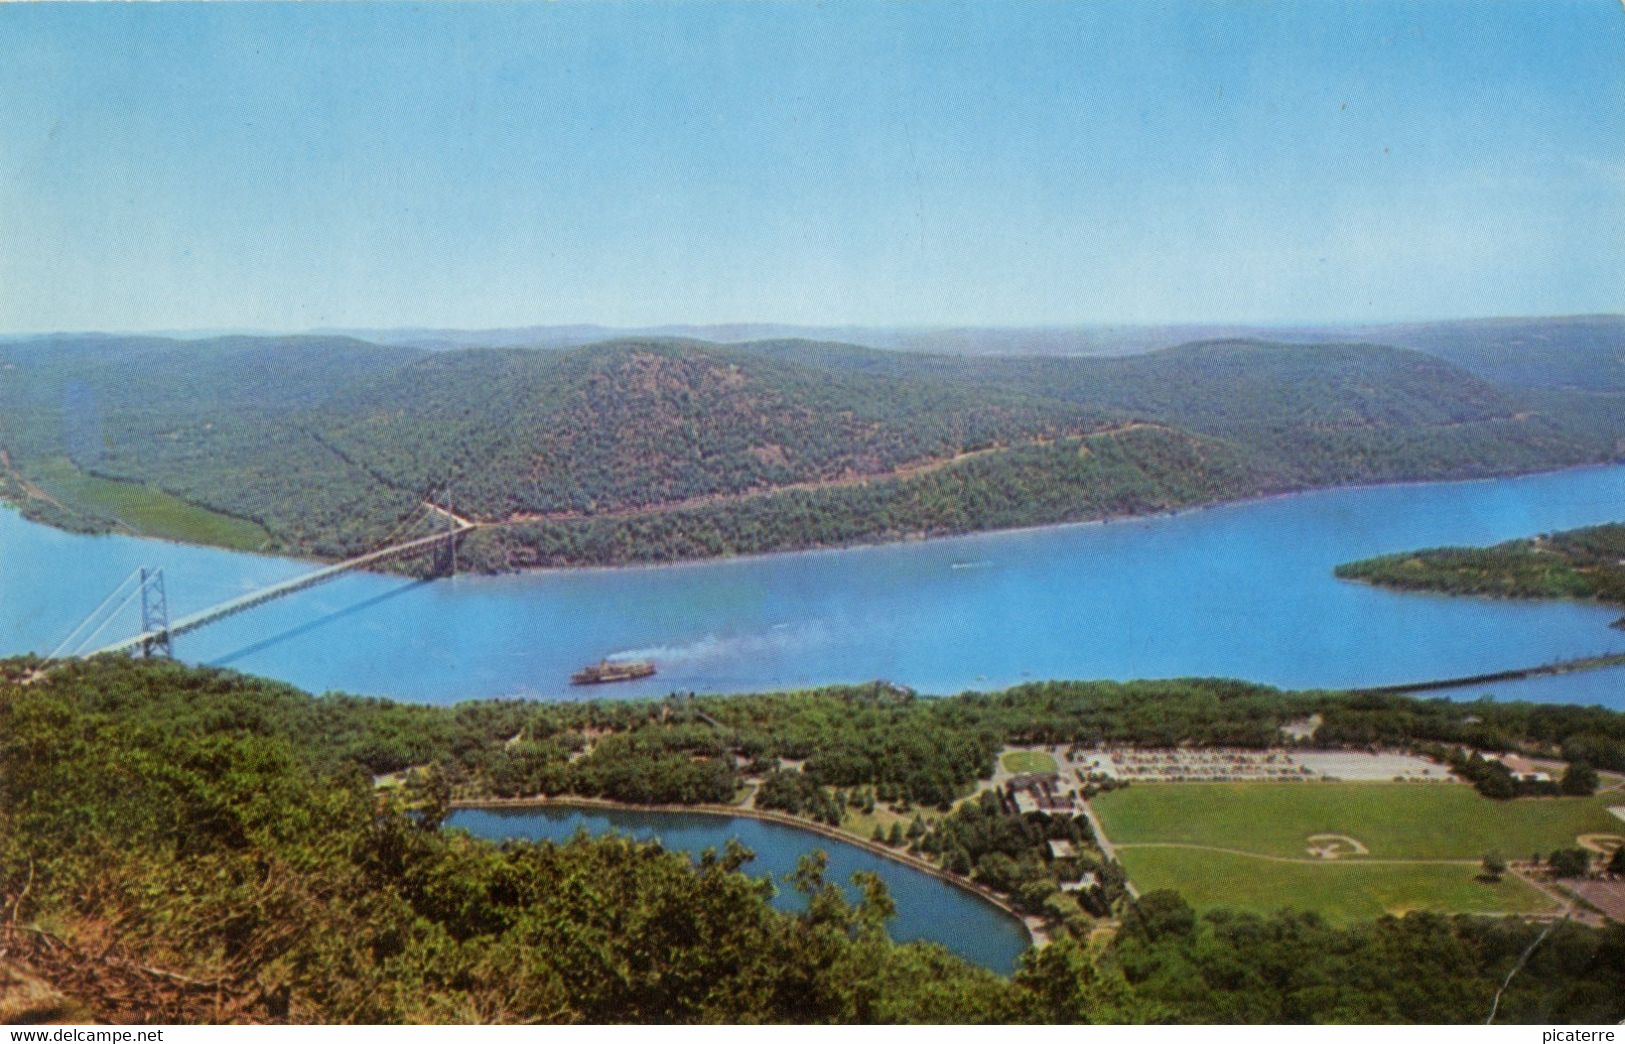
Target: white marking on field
[(1335, 846)]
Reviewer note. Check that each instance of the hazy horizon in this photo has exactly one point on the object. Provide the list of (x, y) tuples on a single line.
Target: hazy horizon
[(1328, 325)]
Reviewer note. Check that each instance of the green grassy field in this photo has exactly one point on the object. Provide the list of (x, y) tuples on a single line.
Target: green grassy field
[(150, 512), (1342, 891), (1393, 820), (1028, 761)]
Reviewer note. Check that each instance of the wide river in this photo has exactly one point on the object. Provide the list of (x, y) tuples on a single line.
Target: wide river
[(927, 908), (1245, 590)]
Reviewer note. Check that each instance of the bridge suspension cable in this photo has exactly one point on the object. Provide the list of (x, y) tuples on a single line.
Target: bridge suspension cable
[(411, 519), (69, 646), (427, 508)]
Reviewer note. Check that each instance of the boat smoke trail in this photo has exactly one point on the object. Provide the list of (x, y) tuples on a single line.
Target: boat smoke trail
[(713, 648)]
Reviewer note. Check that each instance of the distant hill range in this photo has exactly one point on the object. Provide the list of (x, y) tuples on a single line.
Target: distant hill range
[(972, 340), (663, 447), (1535, 350)]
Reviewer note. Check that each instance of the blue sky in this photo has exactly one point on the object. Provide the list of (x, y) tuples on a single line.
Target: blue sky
[(166, 166)]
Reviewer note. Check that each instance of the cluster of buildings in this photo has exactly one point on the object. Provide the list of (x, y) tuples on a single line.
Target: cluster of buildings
[(1041, 792), (1522, 771), (1059, 793)]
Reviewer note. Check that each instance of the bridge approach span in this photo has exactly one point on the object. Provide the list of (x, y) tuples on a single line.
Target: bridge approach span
[(147, 639)]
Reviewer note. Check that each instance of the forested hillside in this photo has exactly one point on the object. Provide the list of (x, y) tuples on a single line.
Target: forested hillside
[(186, 845), (1584, 563), (624, 425), (653, 450), (1305, 414), (213, 422)]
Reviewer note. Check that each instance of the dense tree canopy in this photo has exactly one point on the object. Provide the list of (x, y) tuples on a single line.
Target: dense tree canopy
[(660, 449), (164, 826), (1578, 563)]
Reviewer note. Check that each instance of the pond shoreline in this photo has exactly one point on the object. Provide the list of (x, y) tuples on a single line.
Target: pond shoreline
[(1036, 934)]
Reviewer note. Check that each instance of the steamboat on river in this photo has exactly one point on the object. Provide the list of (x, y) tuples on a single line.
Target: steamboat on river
[(612, 671)]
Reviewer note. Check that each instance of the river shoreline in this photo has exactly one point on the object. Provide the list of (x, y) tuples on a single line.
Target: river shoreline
[(1585, 663), (1043, 527), (1493, 596), (863, 545), (1036, 934), (1074, 604)]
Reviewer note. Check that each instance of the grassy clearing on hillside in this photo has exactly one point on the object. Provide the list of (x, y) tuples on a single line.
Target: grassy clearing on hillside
[(1342, 891), (1028, 761), (862, 824), (150, 512), (1394, 820)]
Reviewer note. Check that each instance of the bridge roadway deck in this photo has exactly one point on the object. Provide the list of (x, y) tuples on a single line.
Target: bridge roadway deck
[(287, 587)]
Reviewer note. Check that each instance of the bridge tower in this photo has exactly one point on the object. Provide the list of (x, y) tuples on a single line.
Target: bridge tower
[(451, 545), (445, 555), (445, 552), (155, 615)]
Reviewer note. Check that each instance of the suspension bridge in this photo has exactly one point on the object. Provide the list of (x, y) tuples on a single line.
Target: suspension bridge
[(158, 632)]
